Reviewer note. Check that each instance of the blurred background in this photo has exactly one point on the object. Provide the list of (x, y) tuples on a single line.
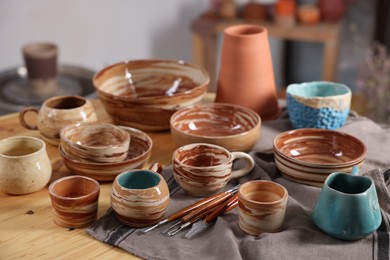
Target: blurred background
[(93, 34)]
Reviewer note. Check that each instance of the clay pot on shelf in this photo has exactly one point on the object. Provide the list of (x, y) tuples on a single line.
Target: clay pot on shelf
[(285, 11), (332, 10), (308, 14), (246, 74), (228, 10), (255, 12)]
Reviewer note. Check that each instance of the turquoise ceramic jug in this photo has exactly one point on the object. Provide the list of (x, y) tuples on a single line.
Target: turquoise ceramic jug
[(348, 207)]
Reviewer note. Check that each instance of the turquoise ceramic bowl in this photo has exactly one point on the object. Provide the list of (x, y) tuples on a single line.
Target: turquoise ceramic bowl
[(318, 104), (348, 207)]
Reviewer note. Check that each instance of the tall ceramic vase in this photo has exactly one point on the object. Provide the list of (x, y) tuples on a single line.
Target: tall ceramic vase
[(246, 74)]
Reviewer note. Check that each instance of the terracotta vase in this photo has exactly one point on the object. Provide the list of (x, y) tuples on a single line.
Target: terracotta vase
[(246, 74)]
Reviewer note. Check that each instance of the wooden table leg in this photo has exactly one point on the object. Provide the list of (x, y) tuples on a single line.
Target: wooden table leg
[(331, 48)]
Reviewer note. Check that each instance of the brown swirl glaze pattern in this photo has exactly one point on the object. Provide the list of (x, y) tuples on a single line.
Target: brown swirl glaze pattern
[(74, 201), (97, 142), (138, 154), (234, 127), (160, 88), (262, 207), (57, 112), (203, 169), (139, 198), (309, 155)]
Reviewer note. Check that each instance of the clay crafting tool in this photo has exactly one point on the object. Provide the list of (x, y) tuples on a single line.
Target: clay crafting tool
[(188, 209), (202, 224), (196, 214)]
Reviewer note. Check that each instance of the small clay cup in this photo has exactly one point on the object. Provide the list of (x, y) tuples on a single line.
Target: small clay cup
[(57, 112), (40, 59), (25, 165), (74, 201), (96, 142), (203, 169), (262, 206), (140, 198)]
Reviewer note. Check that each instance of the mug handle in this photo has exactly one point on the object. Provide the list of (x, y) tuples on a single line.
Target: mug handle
[(156, 167), (250, 163), (22, 119)]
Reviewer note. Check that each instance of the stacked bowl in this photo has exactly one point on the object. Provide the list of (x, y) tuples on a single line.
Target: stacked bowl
[(309, 155), (102, 151)]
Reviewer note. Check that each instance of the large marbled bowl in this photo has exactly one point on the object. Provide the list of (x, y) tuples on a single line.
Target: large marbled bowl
[(309, 155), (233, 127), (145, 93), (138, 154)]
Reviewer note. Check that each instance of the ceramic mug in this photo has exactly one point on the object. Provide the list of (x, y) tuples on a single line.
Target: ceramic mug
[(261, 207), (25, 165), (74, 201), (203, 169), (140, 198), (348, 207), (57, 112)]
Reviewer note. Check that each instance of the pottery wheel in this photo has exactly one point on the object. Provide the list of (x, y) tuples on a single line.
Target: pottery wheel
[(15, 93)]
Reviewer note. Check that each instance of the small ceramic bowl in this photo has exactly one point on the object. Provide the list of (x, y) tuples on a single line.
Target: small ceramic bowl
[(95, 142), (145, 93), (138, 154), (233, 127), (310, 155), (318, 104)]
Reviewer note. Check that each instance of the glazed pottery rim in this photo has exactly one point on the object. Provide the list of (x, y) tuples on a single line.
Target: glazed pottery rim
[(118, 163), (117, 129), (259, 182), (319, 84), (194, 66), (138, 170), (25, 137), (194, 145), (363, 193), (95, 190), (215, 105), (318, 130), (62, 97)]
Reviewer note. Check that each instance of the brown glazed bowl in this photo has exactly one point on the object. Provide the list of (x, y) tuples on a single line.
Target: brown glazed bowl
[(145, 93), (233, 127), (138, 154), (309, 155)]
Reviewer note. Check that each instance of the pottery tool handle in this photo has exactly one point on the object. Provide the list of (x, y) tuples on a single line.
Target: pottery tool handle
[(220, 209), (196, 205), (206, 207)]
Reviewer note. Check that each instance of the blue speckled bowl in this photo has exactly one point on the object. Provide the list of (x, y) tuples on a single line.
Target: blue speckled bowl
[(318, 104)]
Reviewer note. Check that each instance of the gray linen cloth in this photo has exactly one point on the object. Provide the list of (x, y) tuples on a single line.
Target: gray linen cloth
[(299, 239)]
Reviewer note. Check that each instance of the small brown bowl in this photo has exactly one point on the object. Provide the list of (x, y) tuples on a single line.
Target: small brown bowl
[(145, 93), (138, 154), (309, 155), (233, 127), (95, 142)]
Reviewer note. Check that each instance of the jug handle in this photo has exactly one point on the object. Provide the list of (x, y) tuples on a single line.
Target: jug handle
[(156, 167)]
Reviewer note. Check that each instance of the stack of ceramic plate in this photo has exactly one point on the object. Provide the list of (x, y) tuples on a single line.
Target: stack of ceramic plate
[(309, 155)]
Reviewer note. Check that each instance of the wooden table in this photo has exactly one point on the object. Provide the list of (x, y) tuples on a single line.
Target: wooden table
[(27, 229), (205, 32)]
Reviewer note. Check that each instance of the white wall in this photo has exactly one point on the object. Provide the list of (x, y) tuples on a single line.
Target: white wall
[(96, 33)]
